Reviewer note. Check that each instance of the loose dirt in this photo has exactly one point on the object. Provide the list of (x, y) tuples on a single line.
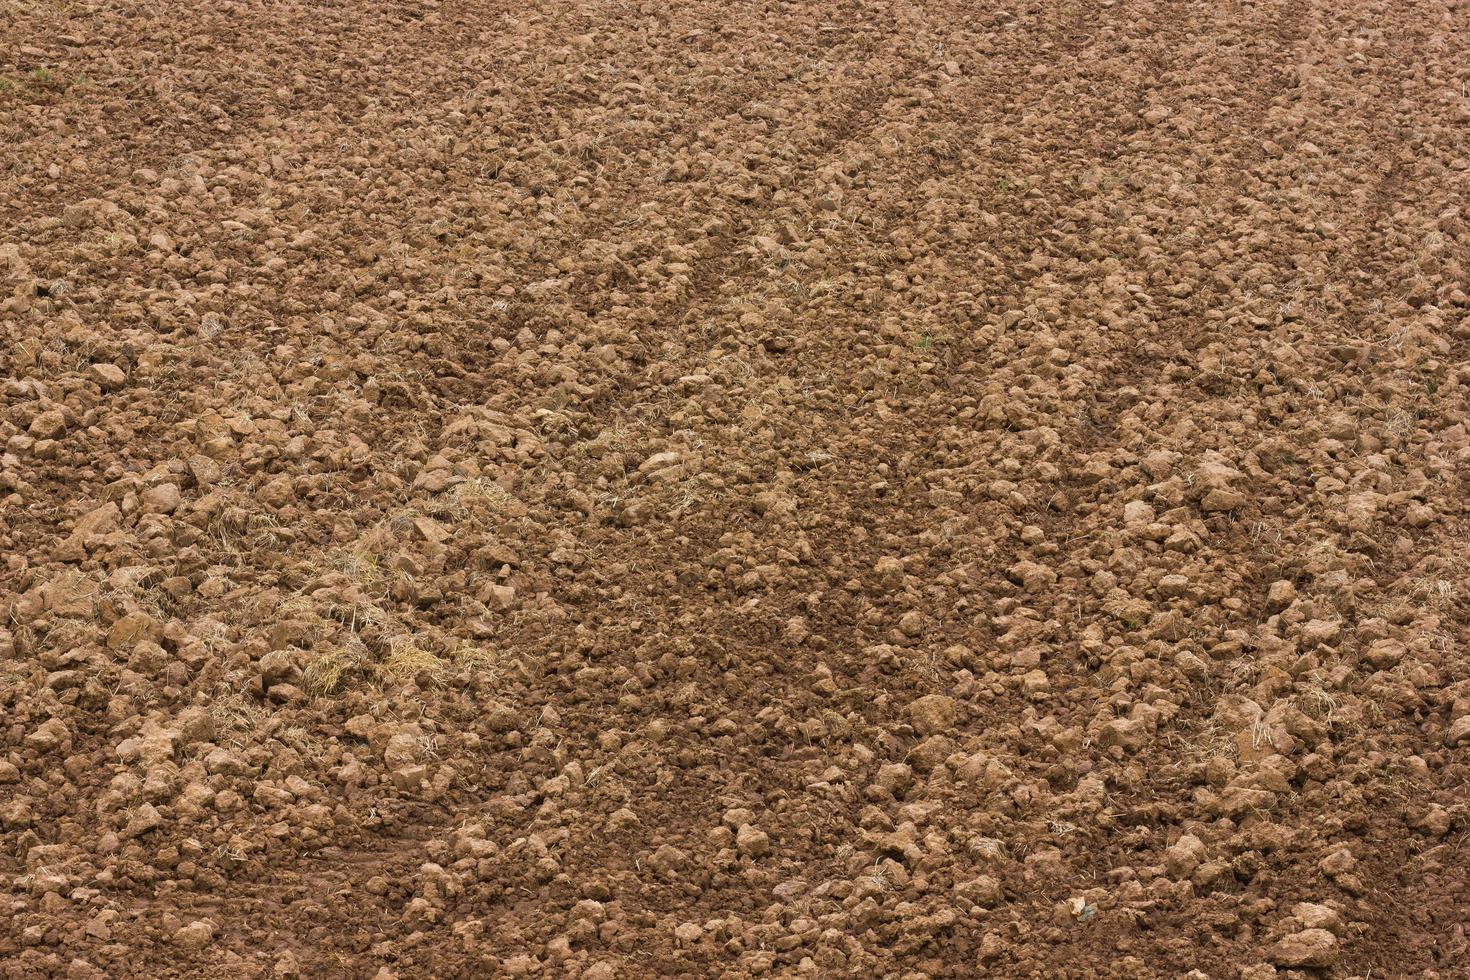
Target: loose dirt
[(610, 489)]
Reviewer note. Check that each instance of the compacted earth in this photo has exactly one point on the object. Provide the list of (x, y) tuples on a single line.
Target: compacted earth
[(609, 489)]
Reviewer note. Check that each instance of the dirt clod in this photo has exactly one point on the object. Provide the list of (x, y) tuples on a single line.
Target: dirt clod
[(933, 714), (1310, 947)]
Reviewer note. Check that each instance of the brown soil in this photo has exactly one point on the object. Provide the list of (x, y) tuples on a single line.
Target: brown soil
[(622, 489)]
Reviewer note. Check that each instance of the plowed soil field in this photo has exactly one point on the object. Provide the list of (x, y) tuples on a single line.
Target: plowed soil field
[(607, 489)]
